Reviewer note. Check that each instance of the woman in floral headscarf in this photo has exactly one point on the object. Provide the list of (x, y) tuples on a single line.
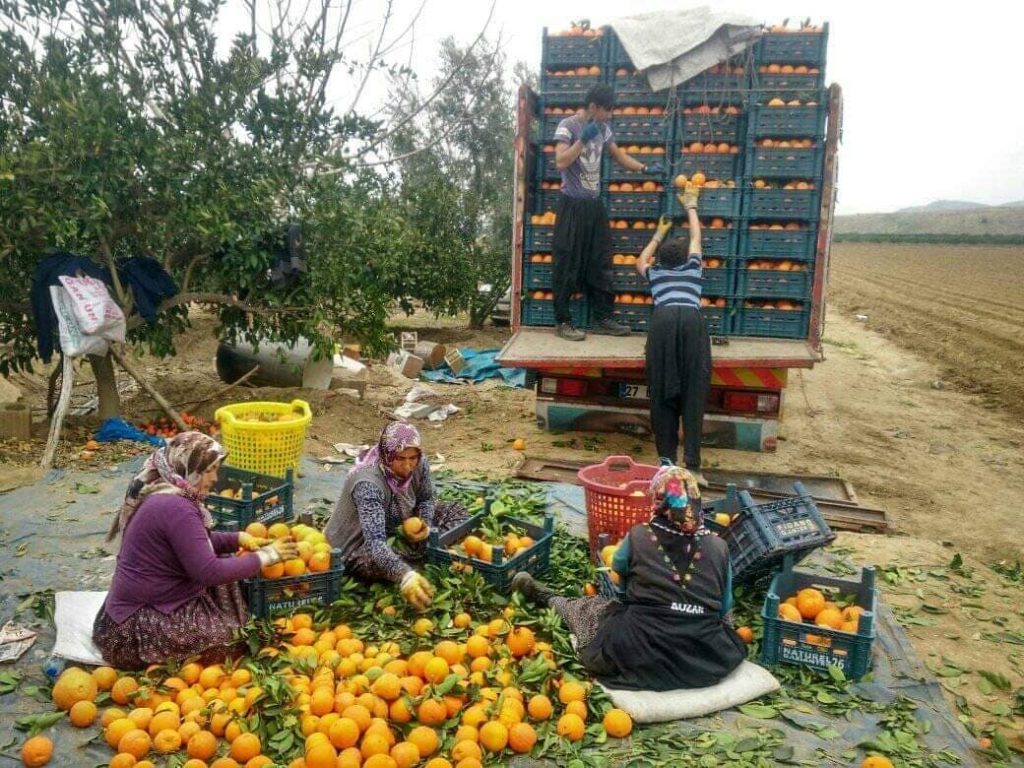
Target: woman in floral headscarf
[(172, 597), (673, 630), (389, 484)]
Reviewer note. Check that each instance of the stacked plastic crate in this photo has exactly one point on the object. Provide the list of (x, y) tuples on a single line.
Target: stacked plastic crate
[(783, 171)]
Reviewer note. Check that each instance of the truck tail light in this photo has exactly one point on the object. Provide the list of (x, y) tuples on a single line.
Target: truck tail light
[(750, 402), (567, 387)]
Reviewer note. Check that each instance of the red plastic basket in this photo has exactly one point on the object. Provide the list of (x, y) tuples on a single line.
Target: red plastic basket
[(617, 497)]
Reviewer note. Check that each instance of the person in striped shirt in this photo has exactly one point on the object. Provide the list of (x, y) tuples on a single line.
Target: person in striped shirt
[(678, 351)]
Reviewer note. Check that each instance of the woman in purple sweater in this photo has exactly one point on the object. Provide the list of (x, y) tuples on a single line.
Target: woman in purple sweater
[(173, 596)]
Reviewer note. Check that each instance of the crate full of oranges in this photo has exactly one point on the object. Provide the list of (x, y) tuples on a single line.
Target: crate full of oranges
[(820, 621), (312, 578), (476, 545), (240, 497)]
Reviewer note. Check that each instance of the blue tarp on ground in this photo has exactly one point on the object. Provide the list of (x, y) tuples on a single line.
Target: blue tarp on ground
[(53, 538), (480, 366)]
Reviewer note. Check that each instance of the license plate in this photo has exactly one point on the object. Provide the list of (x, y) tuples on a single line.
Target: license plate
[(633, 391)]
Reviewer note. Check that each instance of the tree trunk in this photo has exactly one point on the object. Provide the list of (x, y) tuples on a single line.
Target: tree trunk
[(106, 386)]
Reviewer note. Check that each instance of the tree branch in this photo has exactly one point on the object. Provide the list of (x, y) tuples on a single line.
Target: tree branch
[(215, 298)]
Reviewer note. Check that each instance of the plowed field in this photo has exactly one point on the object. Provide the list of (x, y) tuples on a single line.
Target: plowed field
[(961, 306)]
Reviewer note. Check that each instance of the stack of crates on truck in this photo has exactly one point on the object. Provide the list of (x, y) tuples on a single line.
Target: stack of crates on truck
[(752, 130)]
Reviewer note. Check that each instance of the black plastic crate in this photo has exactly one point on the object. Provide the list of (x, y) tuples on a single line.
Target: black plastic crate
[(539, 238), (634, 89), (541, 312), (636, 316), (631, 240), (536, 276), (774, 82), (704, 127), (500, 571), (773, 283), (612, 171), (264, 499), (781, 122), (795, 244), (268, 596), (642, 129), (626, 279), (781, 204), (721, 202), (567, 90), (716, 165), (634, 205), (809, 645), (571, 50), (776, 323), (793, 47), (784, 163)]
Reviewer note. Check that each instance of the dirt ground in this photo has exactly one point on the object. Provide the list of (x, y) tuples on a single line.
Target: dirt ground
[(923, 423)]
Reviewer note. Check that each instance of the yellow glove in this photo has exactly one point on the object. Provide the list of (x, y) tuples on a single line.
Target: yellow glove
[(664, 226), (251, 543), (416, 591), (689, 197)]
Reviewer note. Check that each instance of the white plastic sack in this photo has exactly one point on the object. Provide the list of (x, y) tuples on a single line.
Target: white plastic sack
[(73, 340), (96, 312), (73, 615), (745, 683)]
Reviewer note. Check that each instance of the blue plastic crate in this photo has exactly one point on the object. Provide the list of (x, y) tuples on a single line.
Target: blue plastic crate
[(541, 312), (642, 129), (720, 99), (264, 499), (544, 199), (634, 205), (536, 276), (630, 240), (718, 81), (612, 171), (617, 56), (718, 320), (548, 124), (713, 165), (775, 323), (793, 48), (808, 645), (544, 162), (773, 284), (269, 596), (775, 82), (721, 243), (798, 245), (633, 89), (539, 238), (567, 90), (499, 572), (709, 127), (571, 51), (718, 281), (787, 122), (785, 163), (636, 316), (781, 204), (625, 279), (721, 202)]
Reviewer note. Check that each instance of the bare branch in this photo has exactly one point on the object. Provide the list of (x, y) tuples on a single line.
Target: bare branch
[(222, 299), (373, 58)]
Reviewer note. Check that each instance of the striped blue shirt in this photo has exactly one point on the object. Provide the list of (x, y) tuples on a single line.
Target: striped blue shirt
[(679, 286)]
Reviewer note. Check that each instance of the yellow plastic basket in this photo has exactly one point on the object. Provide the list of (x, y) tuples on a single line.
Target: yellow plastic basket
[(264, 437)]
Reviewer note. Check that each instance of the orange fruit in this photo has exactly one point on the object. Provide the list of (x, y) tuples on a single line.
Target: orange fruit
[(521, 642), (124, 760), (74, 685), (746, 634), (450, 651), (464, 749), (478, 646), (493, 736), (405, 754), (617, 723), (350, 758), (436, 670), (809, 602), (201, 745), (260, 761), (36, 751), (167, 741), (425, 739), (135, 742), (829, 617), (117, 729), (698, 179), (225, 762), (360, 714), (432, 712), (105, 677), (540, 707), (245, 747), (570, 727), (789, 612), (374, 744), (141, 716), (321, 755), (344, 733), (211, 677), (294, 567), (110, 714), (82, 714), (194, 762), (462, 620), (876, 761), (521, 738), (577, 708), (380, 761), (572, 691), (162, 721)]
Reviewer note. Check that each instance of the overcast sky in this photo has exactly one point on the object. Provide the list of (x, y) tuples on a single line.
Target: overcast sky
[(932, 92)]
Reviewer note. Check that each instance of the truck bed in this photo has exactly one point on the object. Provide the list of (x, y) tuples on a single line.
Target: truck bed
[(539, 348)]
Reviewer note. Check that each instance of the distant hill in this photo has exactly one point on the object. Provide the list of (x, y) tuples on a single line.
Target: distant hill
[(944, 206), (1014, 204), (1003, 220)]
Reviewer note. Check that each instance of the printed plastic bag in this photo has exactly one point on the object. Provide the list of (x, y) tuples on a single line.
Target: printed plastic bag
[(73, 340), (96, 312)]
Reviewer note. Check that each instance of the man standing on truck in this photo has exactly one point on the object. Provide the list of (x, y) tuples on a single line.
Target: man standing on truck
[(678, 352), (582, 243)]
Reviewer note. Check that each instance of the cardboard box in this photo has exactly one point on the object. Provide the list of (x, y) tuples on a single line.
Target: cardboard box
[(405, 363), (455, 361), (15, 421)]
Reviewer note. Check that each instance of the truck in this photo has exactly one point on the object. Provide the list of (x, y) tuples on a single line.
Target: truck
[(764, 130)]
